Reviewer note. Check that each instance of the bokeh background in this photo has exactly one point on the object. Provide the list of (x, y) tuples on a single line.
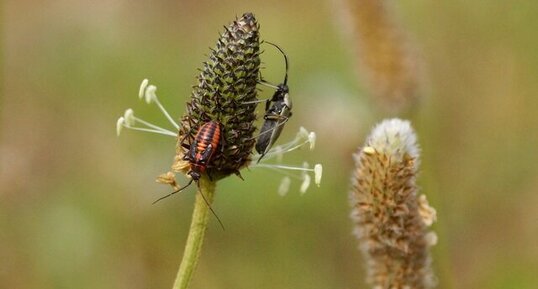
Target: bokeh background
[(75, 200)]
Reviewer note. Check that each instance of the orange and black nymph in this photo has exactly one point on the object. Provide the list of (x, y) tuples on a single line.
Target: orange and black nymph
[(201, 151), (205, 145)]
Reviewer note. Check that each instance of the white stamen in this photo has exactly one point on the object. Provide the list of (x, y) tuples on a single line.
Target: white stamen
[(305, 184), (302, 138), (153, 126), (283, 167), (129, 117), (284, 186), (161, 107), (318, 170), (284, 172), (150, 94), (142, 88), (312, 140), (293, 146), (119, 125), (129, 120), (152, 130)]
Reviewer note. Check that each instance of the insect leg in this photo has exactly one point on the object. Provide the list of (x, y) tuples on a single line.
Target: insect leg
[(176, 191)]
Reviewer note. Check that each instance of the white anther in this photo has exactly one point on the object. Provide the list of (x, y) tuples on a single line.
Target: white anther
[(129, 117), (119, 125), (284, 186), (318, 170), (142, 89), (150, 94), (305, 184)]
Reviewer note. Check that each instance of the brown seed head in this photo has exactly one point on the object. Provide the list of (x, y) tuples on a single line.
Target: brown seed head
[(387, 59)]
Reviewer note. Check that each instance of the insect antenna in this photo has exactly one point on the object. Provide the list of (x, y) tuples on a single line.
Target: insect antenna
[(203, 196), (268, 84), (210, 208), (285, 59), (176, 191)]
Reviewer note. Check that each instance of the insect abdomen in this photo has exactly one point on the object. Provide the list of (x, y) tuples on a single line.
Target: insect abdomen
[(204, 147)]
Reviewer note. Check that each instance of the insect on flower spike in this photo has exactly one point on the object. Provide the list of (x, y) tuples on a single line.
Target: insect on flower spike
[(277, 113)]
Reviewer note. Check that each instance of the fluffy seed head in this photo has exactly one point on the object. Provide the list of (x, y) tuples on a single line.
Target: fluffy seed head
[(390, 218)]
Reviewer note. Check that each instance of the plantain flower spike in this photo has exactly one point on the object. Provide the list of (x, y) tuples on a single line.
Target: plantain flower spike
[(226, 92), (391, 219)]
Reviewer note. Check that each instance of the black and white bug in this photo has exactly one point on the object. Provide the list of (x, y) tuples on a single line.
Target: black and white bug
[(277, 113)]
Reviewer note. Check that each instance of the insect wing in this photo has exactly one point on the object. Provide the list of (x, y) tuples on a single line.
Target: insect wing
[(278, 126), (264, 139), (206, 155), (275, 119)]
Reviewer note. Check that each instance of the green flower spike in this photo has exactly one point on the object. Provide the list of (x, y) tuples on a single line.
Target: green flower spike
[(226, 92)]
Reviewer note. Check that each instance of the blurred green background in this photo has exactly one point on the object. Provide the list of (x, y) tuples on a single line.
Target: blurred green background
[(75, 200)]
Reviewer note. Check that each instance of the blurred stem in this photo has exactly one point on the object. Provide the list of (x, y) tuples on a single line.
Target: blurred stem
[(200, 217)]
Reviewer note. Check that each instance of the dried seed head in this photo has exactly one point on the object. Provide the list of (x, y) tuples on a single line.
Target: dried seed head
[(391, 220), (225, 93), (387, 58)]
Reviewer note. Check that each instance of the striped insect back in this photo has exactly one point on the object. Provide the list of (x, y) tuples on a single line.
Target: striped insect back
[(201, 152), (203, 148)]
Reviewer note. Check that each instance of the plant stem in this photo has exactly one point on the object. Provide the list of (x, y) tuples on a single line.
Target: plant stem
[(193, 247)]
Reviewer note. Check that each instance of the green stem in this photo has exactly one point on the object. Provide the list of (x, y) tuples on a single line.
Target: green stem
[(200, 217)]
